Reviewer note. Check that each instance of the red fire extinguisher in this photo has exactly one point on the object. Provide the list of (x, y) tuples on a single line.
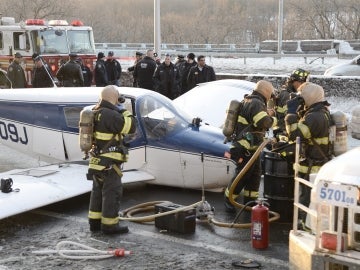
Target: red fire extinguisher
[(260, 225)]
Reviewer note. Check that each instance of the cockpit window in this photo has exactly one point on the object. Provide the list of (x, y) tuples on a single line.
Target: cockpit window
[(159, 118), (72, 114)]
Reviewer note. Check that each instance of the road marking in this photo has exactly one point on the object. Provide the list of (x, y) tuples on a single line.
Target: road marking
[(168, 238)]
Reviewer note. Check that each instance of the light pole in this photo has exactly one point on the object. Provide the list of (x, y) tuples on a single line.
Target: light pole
[(280, 25), (157, 31)]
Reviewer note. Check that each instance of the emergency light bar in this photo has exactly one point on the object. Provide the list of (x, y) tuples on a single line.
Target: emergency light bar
[(35, 22), (58, 23), (77, 23)]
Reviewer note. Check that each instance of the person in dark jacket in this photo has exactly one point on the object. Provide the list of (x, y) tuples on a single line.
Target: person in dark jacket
[(308, 117), (4, 80), (200, 73), (16, 73), (70, 74), (167, 78), (138, 57), (180, 65), (111, 124), (101, 76), (113, 69), (87, 74), (41, 73), (190, 62), (144, 71), (253, 122)]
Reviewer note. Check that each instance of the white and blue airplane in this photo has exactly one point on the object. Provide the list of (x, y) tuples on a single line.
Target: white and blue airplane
[(169, 148)]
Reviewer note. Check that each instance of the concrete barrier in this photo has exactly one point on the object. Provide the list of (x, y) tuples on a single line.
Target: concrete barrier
[(334, 86)]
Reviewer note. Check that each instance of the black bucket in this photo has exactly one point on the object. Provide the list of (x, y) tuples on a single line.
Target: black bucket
[(279, 185)]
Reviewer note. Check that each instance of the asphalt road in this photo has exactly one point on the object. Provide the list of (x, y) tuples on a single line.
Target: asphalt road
[(208, 247)]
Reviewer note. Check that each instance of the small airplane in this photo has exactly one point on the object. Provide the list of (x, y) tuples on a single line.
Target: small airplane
[(169, 148), (216, 95)]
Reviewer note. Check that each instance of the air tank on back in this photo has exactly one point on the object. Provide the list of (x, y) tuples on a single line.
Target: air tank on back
[(231, 119), (340, 121), (355, 123)]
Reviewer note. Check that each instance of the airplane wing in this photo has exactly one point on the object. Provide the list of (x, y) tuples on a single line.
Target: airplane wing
[(37, 187)]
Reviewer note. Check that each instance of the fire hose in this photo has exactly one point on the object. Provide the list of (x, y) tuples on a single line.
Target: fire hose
[(128, 213), (85, 252), (275, 215)]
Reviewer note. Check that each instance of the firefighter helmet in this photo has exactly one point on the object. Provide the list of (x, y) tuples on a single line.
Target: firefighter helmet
[(311, 93), (299, 75), (265, 88), (110, 94)]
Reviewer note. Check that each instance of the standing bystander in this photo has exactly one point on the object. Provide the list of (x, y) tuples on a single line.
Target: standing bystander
[(144, 71), (200, 73), (41, 73), (70, 74), (101, 76), (138, 57), (113, 69), (167, 78), (16, 73)]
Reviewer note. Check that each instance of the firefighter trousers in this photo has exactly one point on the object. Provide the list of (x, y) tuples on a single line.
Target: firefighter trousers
[(105, 197), (251, 179)]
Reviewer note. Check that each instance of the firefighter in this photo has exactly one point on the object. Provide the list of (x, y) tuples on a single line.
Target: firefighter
[(16, 73), (289, 90), (252, 123), (309, 118), (70, 74), (111, 124)]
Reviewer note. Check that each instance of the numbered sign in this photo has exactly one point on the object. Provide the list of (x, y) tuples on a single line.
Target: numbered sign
[(337, 194)]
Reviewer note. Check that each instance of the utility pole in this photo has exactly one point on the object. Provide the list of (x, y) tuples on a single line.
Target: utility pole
[(280, 25), (157, 31)]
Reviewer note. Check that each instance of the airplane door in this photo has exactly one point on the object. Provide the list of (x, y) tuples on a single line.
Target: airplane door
[(162, 154), (47, 135)]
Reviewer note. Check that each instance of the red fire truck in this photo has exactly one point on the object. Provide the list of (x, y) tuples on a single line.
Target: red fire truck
[(52, 39)]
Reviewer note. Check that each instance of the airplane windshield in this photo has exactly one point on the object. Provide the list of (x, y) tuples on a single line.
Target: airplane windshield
[(161, 119), (54, 41)]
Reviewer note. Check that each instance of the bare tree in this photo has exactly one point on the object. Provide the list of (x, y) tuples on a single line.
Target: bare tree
[(38, 9), (199, 21)]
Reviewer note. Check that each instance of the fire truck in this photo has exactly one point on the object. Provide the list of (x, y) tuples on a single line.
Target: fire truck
[(54, 40)]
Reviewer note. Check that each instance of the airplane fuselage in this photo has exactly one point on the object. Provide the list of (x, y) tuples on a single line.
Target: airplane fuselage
[(44, 122)]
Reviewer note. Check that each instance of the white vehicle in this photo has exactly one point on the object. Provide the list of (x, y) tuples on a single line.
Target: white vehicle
[(352, 68), (333, 239)]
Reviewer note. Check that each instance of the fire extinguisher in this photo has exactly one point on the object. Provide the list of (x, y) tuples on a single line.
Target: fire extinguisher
[(260, 225)]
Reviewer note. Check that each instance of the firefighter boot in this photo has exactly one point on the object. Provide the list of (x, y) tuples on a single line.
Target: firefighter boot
[(229, 208), (114, 229), (95, 225)]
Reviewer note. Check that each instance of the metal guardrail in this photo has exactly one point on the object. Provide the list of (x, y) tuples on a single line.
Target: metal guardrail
[(244, 51), (254, 48)]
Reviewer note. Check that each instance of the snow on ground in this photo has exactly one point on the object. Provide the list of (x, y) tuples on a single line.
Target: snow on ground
[(268, 65)]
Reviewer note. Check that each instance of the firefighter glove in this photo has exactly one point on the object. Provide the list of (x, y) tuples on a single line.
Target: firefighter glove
[(294, 104)]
